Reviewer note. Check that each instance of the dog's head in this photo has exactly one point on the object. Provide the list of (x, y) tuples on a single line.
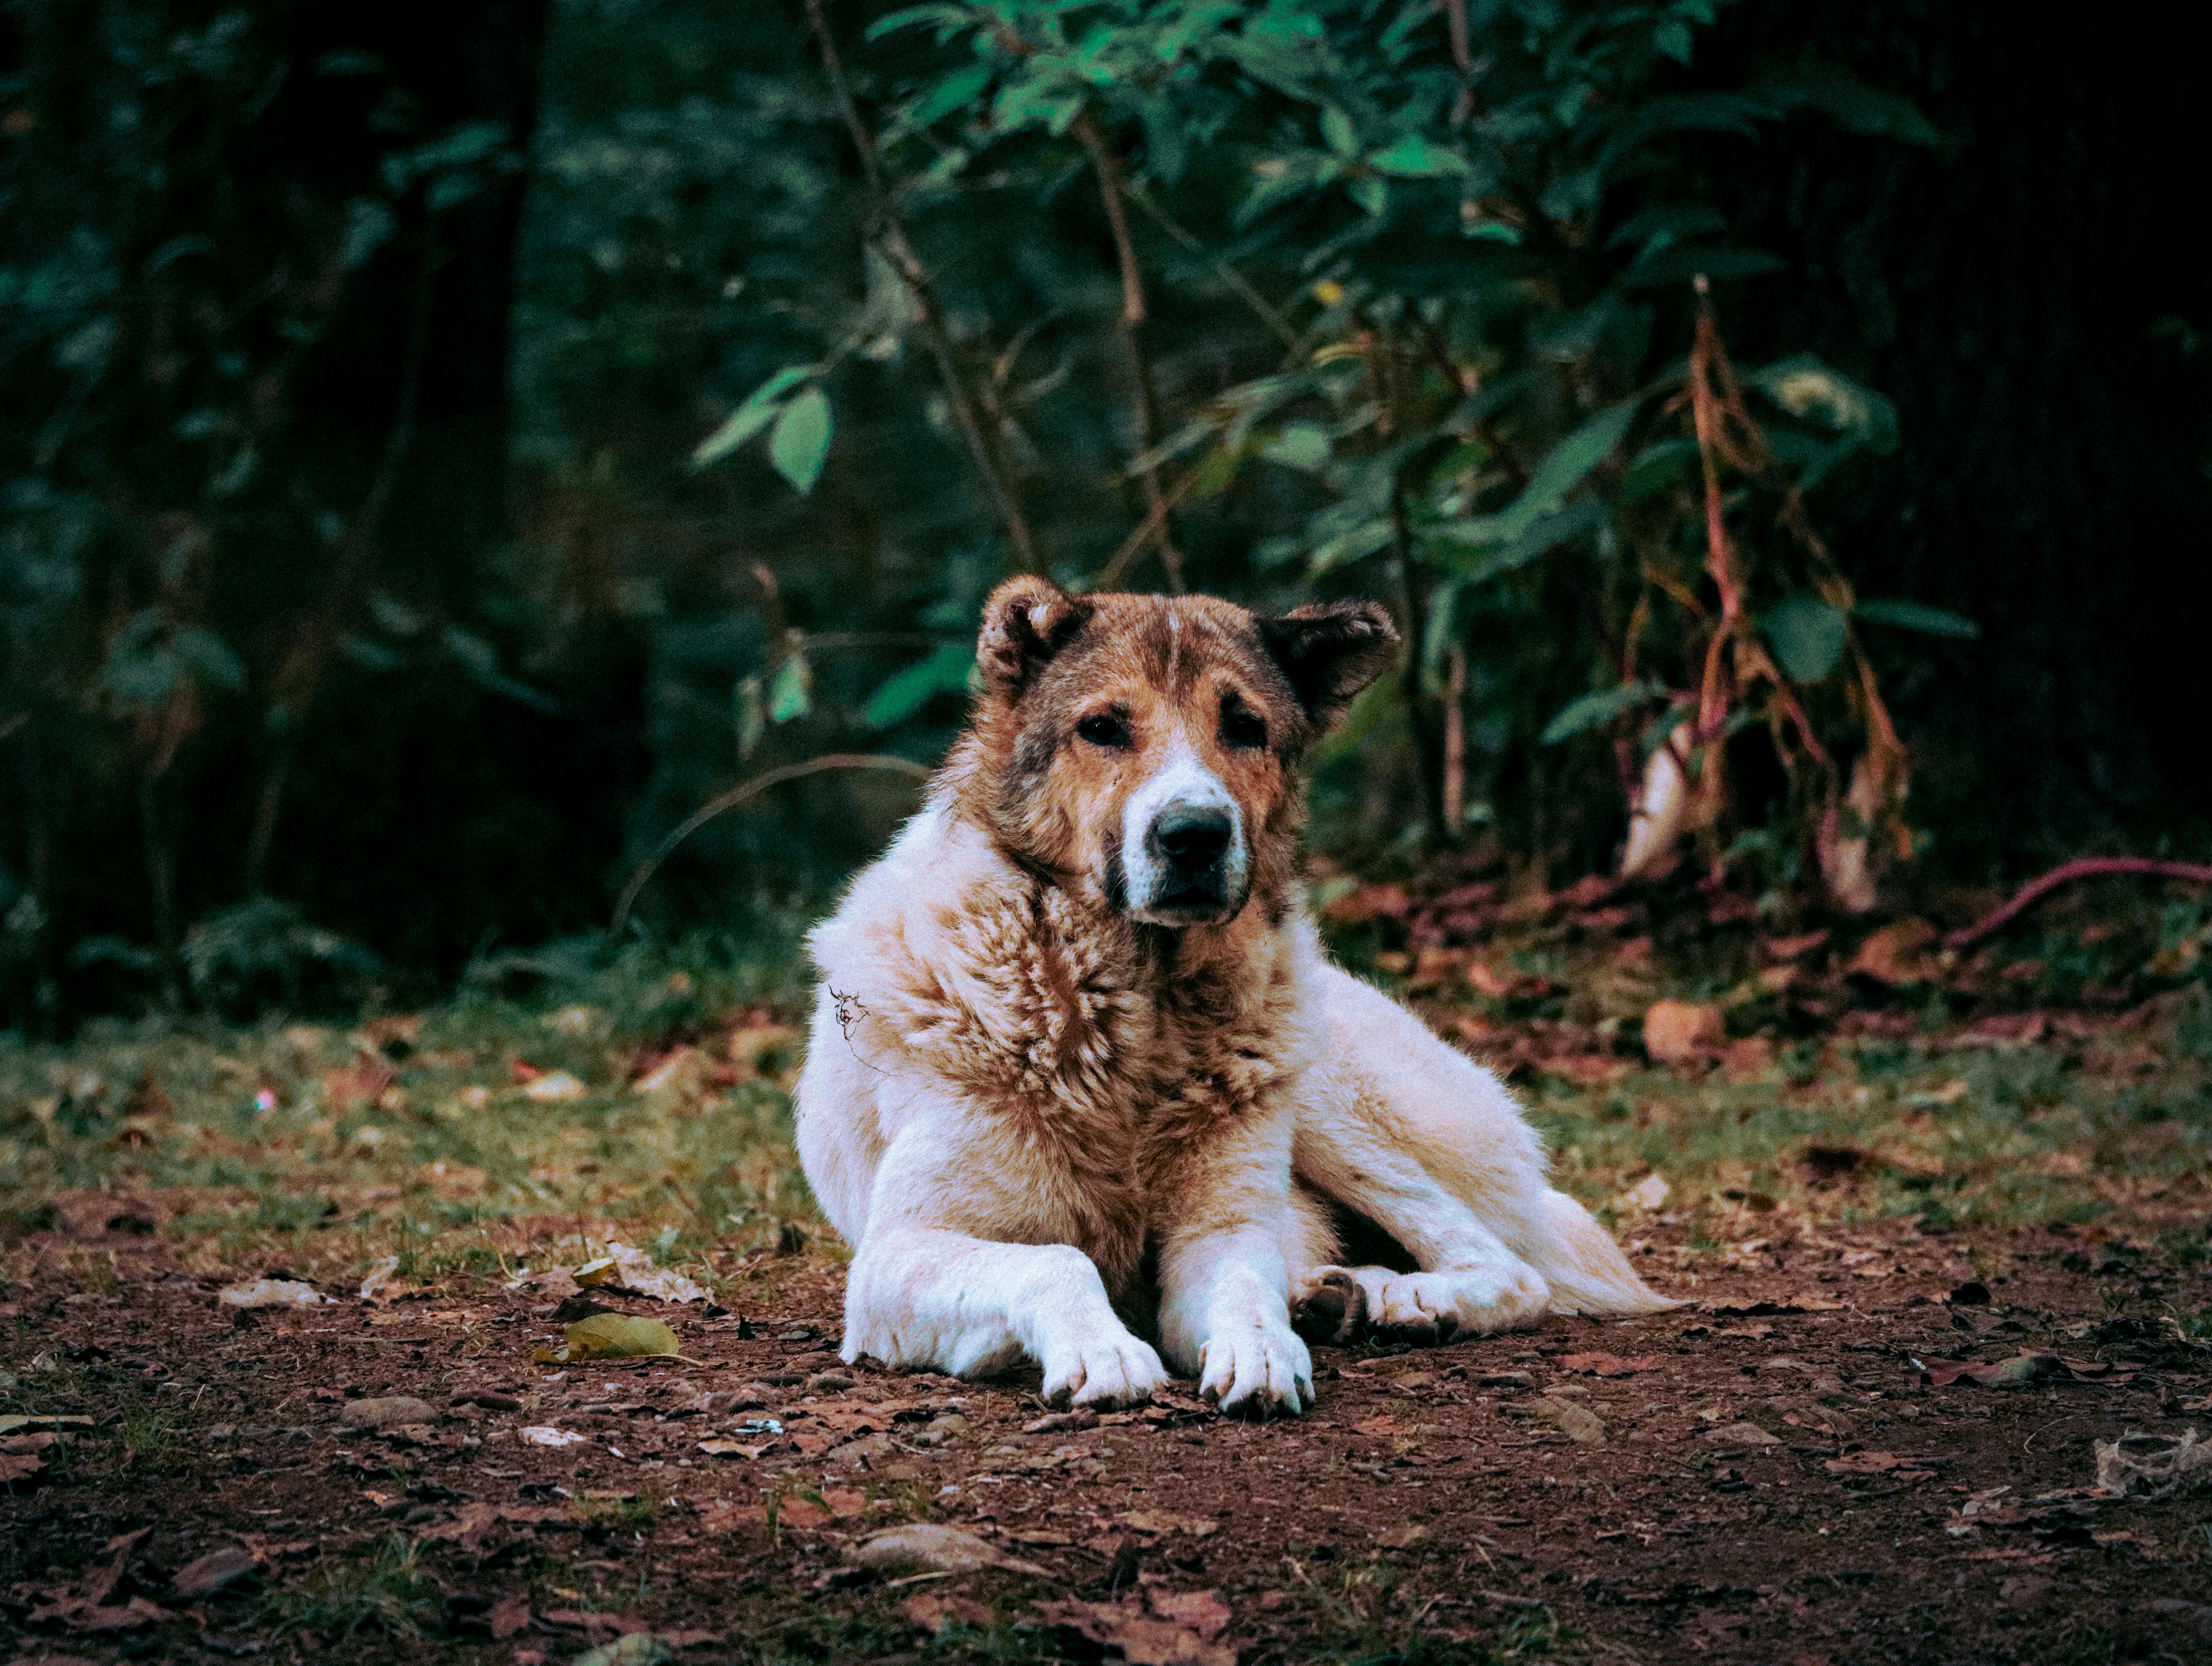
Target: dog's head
[(1144, 751)]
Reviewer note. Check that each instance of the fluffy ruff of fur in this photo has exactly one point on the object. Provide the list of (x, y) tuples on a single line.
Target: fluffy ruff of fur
[(1049, 1130)]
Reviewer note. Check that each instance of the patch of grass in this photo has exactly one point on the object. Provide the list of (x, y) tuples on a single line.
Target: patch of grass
[(322, 1149), (631, 1514), (387, 1593), (147, 1438), (1367, 1613)]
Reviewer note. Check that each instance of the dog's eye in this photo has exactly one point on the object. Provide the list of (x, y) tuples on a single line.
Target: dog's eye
[(1240, 727), (1103, 729)]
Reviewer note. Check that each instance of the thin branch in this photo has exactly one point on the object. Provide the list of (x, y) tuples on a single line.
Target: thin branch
[(1143, 409), (743, 792), (2082, 867), (1134, 545), (1234, 281), (888, 233), (301, 672), (1428, 747)]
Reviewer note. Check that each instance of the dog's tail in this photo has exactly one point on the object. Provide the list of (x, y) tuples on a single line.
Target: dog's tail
[(1586, 1270)]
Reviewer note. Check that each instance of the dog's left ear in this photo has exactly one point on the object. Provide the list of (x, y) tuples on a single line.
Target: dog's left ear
[(1026, 621), (1329, 651)]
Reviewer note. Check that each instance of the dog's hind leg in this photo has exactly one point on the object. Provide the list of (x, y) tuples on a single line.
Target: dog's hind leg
[(924, 1298), (1424, 1142)]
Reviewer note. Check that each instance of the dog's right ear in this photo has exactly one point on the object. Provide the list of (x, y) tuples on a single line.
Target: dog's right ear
[(1026, 621)]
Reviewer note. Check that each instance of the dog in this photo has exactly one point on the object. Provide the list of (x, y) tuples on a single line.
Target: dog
[(1080, 1073)]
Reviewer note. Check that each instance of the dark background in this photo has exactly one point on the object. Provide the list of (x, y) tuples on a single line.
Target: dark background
[(365, 619)]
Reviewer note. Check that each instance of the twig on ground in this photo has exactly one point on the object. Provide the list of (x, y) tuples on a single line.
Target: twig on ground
[(2082, 867)]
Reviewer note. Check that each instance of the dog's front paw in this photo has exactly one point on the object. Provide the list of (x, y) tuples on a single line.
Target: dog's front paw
[(1262, 1371), (1102, 1371), (1328, 1307), (1435, 1307)]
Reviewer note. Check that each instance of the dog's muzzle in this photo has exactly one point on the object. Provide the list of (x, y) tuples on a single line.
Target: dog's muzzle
[(1183, 853)]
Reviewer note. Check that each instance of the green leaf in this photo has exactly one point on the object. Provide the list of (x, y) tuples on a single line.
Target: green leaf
[(209, 657), (908, 17), (906, 692), (1831, 90), (1338, 133), (955, 91), (1917, 616), (1655, 468), (1372, 195), (1299, 446), (801, 439), (1574, 457), (792, 693), (758, 410), (1564, 469), (1413, 157), (1596, 710), (1489, 557), (1809, 390), (1808, 635)]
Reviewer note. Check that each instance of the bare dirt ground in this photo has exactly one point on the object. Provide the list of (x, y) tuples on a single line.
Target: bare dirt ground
[(1939, 1218), (1766, 1476)]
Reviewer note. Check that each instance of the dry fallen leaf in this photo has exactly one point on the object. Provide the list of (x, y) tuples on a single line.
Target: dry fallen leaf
[(2152, 1466), (20, 1422), (1608, 1365), (1898, 953), (933, 1611), (1578, 1423), (386, 1411), (637, 1649), (508, 1617), (2023, 1371), (1158, 1523), (1683, 1031), (626, 1269), (272, 1292), (1879, 1463), (1166, 1636), (554, 1087), (1650, 1194), (932, 1547), (204, 1576), (539, 1435)]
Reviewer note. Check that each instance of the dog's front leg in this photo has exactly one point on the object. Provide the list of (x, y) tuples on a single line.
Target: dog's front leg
[(1225, 1285), (925, 1295)]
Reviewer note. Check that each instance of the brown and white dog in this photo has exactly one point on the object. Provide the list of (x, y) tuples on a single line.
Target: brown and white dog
[(1078, 1062)]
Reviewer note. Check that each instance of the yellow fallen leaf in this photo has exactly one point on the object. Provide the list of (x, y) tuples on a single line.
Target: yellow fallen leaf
[(613, 1336)]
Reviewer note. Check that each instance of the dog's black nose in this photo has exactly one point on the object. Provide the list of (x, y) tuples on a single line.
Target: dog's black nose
[(1192, 838)]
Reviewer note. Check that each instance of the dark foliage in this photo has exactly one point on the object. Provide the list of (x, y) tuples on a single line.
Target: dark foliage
[(360, 549)]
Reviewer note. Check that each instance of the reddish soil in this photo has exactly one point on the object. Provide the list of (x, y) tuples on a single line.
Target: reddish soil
[(1765, 1486)]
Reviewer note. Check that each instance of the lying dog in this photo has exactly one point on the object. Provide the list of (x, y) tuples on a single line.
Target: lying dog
[(1078, 1062)]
